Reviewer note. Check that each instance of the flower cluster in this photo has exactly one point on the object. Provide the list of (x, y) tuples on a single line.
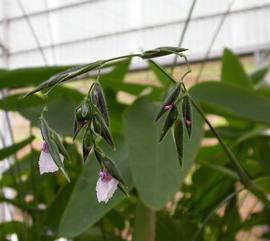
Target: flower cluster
[(173, 118), (92, 116)]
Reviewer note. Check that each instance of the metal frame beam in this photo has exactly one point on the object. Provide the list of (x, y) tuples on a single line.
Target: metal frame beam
[(267, 6)]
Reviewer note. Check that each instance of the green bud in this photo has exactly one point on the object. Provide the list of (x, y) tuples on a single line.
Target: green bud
[(59, 144), (112, 168), (161, 51), (87, 144), (98, 99), (103, 130), (187, 114), (99, 155), (171, 118), (169, 101), (178, 135)]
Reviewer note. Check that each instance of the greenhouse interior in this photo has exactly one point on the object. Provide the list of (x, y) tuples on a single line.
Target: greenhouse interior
[(134, 120)]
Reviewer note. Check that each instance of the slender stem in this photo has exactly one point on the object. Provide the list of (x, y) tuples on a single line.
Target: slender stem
[(122, 57), (101, 63), (145, 223), (242, 175), (187, 64)]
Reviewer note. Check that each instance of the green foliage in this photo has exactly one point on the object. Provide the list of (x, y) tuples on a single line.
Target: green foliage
[(24, 77), (233, 71), (231, 101), (11, 150)]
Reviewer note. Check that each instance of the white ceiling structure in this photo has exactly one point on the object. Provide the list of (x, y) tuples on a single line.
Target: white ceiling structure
[(59, 32)]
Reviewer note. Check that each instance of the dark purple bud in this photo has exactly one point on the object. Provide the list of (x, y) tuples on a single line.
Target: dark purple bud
[(105, 176), (45, 147)]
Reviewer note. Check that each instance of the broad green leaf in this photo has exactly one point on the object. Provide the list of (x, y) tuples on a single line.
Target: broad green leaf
[(24, 77), (233, 71), (10, 150), (231, 101), (155, 169), (83, 209), (56, 209)]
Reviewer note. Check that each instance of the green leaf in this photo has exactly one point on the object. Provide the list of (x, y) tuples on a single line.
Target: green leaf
[(233, 71), (10, 150), (11, 227), (23, 164), (231, 101), (83, 210), (24, 77), (259, 75), (155, 169), (56, 209)]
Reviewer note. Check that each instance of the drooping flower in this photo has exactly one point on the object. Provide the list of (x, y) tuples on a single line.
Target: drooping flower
[(106, 186), (46, 162)]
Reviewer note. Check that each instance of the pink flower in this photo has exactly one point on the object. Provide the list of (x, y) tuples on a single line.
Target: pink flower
[(106, 186), (188, 122), (46, 162), (168, 107)]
